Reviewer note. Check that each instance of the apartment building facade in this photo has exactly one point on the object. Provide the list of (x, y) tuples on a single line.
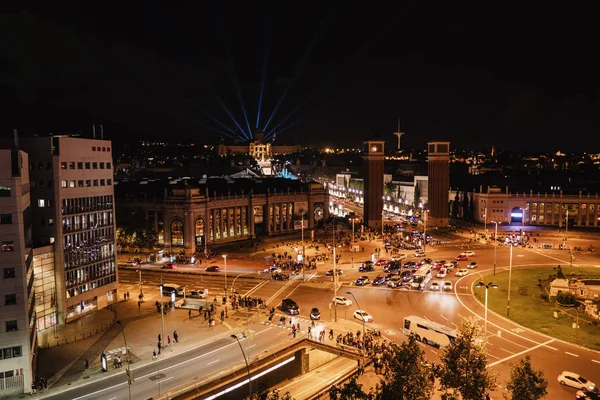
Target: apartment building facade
[(73, 215), (17, 298)]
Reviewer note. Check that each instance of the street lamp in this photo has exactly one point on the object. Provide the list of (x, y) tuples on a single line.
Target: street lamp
[(162, 315), (225, 264), (303, 247), (522, 224), (127, 370), (425, 229), (363, 326), (488, 286), (247, 366), (485, 222), (495, 243), (509, 280)]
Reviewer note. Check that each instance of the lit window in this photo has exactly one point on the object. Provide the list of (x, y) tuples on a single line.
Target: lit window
[(71, 184), (63, 184), (63, 165), (41, 203)]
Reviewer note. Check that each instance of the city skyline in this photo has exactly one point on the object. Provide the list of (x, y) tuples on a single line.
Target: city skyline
[(332, 74)]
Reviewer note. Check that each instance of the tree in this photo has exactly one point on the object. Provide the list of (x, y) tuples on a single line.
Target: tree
[(265, 394), (123, 238), (465, 364), (525, 382), (349, 391), (406, 377), (389, 189), (465, 207), (559, 272), (455, 206), (471, 208), (417, 195)]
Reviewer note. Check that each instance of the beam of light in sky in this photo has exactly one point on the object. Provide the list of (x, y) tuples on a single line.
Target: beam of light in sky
[(207, 114), (202, 124), (263, 71)]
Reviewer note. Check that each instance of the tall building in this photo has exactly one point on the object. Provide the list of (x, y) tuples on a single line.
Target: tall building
[(438, 159), (73, 216), (17, 298), (373, 194)]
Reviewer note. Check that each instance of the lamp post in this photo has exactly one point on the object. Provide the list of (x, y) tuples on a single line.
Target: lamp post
[(335, 274), (225, 265), (141, 293), (566, 224), (303, 248), (522, 224), (363, 326), (495, 243), (127, 370), (509, 281), (485, 222), (486, 286), (162, 314), (424, 229), (247, 366)]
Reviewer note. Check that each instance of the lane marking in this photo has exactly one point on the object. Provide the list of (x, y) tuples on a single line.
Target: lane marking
[(212, 362), (520, 353), (443, 317), (571, 354), (508, 351), (596, 361), (435, 352), (162, 380)]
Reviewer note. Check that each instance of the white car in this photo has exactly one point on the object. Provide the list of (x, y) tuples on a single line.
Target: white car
[(399, 257), (342, 301), (462, 272), (472, 265), (447, 286), (363, 316), (470, 253), (435, 286), (442, 273), (575, 380), (450, 265), (419, 253)]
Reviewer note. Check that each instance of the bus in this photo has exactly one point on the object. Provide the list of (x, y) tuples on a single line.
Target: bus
[(429, 332), (421, 277)]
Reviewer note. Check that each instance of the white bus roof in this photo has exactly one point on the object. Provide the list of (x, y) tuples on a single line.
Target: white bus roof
[(433, 325)]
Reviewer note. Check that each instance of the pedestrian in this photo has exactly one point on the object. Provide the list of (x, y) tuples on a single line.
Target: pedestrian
[(159, 338), (127, 295), (124, 296), (33, 388), (139, 305), (175, 337), (86, 364), (154, 354), (44, 383), (190, 314), (168, 340)]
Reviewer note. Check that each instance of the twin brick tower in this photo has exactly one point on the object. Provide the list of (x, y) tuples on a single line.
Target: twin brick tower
[(438, 183)]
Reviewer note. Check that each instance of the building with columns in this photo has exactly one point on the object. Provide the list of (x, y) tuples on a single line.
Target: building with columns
[(543, 209), (192, 215)]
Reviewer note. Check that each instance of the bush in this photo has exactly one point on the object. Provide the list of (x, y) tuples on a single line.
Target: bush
[(565, 298)]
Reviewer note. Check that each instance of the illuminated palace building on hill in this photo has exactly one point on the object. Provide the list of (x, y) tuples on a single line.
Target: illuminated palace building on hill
[(259, 149)]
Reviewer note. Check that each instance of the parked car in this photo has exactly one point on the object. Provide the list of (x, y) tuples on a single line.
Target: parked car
[(577, 381), (472, 265), (462, 272), (363, 316), (342, 301), (315, 314)]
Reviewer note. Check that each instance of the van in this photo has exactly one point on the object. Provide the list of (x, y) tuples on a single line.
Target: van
[(290, 306)]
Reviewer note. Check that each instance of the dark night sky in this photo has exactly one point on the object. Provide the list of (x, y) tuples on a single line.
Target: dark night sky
[(476, 73)]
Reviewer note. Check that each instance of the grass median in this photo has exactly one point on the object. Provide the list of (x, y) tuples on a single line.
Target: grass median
[(527, 307)]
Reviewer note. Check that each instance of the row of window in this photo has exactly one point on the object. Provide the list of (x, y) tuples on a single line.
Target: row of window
[(87, 221), (44, 203), (91, 286), (87, 183), (11, 373), (83, 275), (88, 165), (11, 352), (80, 205)]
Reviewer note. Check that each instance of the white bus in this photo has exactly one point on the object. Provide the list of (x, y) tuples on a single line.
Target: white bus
[(428, 332), (421, 277)]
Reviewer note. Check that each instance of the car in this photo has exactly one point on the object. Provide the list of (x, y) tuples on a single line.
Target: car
[(315, 314), (406, 276), (462, 257), (425, 261), (442, 273), (363, 316), (366, 266), (410, 264), (462, 272), (378, 280), (381, 261), (472, 265), (342, 301), (392, 266), (577, 381), (435, 286), (447, 286), (450, 264), (197, 294), (399, 257), (469, 253), (390, 276), (330, 272), (212, 268), (419, 253), (169, 265), (362, 280), (396, 281), (587, 395)]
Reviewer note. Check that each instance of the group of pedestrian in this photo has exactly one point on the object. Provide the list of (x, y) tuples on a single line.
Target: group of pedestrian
[(126, 296), (39, 384)]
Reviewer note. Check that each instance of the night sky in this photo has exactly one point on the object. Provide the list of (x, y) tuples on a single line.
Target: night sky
[(477, 74)]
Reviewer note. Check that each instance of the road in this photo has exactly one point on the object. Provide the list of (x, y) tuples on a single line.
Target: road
[(390, 306)]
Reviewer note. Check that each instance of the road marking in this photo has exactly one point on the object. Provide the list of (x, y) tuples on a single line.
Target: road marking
[(508, 351), (425, 316), (389, 332), (454, 324), (256, 287), (571, 354), (596, 361), (518, 330), (520, 353), (251, 346), (282, 332), (435, 352), (162, 380), (443, 317), (212, 362), (461, 315)]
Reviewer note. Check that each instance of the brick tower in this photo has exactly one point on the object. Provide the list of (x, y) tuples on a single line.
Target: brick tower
[(438, 183), (373, 188)]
